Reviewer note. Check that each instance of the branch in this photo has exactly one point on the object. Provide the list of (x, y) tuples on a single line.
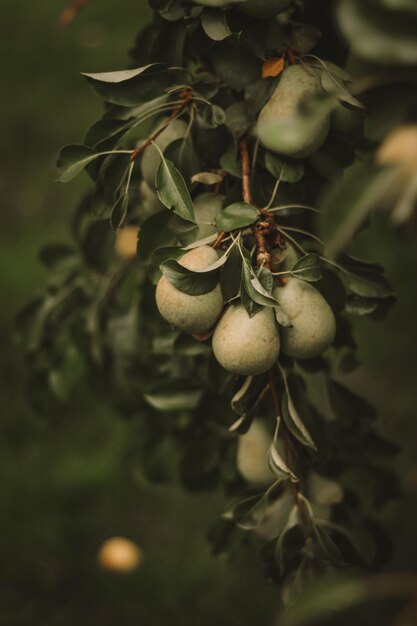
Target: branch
[(246, 187)]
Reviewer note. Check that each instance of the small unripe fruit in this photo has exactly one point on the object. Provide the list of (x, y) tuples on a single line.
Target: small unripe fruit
[(252, 454), (246, 345), (278, 128), (263, 8), (126, 242), (313, 323), (151, 158), (120, 555), (192, 314)]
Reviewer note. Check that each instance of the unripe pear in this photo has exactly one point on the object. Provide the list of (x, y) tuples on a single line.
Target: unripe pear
[(263, 8), (149, 202), (246, 345), (252, 454), (313, 323), (151, 158), (400, 148), (278, 124), (192, 314)]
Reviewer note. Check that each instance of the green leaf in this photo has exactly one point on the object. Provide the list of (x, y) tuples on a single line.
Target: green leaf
[(230, 276), (155, 233), (237, 119), (308, 268), (294, 422), (334, 85), (235, 65), (237, 215), (254, 288), (174, 396), (132, 87), (207, 178), (377, 34), (172, 190), (287, 170), (159, 256), (214, 23), (350, 202), (193, 283), (73, 159)]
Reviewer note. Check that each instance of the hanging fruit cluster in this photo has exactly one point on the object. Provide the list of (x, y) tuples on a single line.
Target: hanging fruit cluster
[(226, 332)]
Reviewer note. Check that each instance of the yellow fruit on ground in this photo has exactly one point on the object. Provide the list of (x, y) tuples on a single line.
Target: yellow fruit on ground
[(246, 345), (119, 554), (192, 314), (126, 242)]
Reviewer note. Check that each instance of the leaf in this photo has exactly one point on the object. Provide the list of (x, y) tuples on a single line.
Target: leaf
[(207, 178), (294, 422), (332, 84), (230, 275), (106, 129), (132, 87), (159, 256), (308, 268), (350, 202), (237, 119), (233, 64), (172, 190), (377, 34), (214, 23), (155, 233), (254, 287), (273, 67), (174, 396), (236, 215), (193, 283), (287, 170), (278, 466), (73, 159), (238, 402), (229, 161)]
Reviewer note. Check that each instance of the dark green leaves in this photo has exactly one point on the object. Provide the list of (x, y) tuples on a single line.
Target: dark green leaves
[(172, 190), (308, 268), (237, 215), (214, 23), (132, 87), (233, 64), (73, 159), (191, 282)]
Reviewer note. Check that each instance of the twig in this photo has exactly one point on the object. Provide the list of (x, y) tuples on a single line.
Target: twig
[(186, 97), (246, 186)]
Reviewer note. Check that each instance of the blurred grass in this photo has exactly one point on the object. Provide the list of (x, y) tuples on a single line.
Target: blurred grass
[(67, 485)]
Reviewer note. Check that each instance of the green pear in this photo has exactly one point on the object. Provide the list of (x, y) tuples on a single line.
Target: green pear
[(281, 128), (252, 454), (192, 314), (313, 323), (151, 158), (263, 8), (246, 345), (150, 203)]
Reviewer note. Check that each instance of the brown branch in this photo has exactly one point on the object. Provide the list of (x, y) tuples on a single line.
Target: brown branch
[(70, 12), (186, 97), (245, 163)]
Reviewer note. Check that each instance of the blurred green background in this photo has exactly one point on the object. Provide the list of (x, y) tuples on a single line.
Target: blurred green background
[(66, 484)]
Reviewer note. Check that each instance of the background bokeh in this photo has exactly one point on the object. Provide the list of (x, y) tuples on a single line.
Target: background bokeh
[(66, 484)]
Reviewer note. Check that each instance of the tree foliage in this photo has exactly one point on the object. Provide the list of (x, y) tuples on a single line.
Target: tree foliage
[(176, 158)]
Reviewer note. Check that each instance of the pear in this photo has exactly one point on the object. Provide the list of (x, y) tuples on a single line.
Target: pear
[(313, 323), (127, 242), (119, 554), (252, 454), (281, 128), (150, 203), (192, 314), (246, 345), (151, 158), (400, 148), (263, 8)]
